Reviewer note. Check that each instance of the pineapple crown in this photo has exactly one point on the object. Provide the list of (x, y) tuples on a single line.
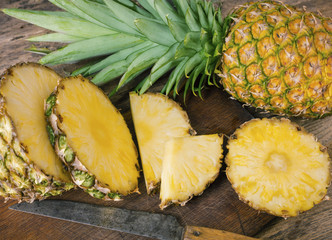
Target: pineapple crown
[(181, 36)]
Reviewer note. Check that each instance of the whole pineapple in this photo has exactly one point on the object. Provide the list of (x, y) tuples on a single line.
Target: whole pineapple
[(279, 58), (268, 54)]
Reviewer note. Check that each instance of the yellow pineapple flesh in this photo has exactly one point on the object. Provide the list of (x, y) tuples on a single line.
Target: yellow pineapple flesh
[(29, 165), (190, 164), (93, 139), (157, 119), (25, 104), (277, 167)]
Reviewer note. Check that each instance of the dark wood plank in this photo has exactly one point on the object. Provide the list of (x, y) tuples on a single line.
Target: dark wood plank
[(201, 233), (313, 224)]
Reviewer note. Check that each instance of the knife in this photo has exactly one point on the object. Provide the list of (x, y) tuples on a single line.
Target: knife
[(153, 225)]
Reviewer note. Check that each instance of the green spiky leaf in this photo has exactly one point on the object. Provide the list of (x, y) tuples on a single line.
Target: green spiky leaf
[(178, 29), (109, 73), (62, 22), (191, 21), (165, 10), (101, 14), (56, 37), (70, 7), (176, 75), (119, 56), (183, 37), (143, 61), (124, 13), (90, 48), (155, 31)]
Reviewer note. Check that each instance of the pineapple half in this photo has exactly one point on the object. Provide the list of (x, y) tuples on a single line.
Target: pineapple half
[(190, 164), (29, 168), (91, 137), (157, 119), (276, 166)]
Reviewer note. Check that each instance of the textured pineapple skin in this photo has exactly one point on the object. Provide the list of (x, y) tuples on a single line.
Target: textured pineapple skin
[(20, 178), (80, 175), (275, 166), (279, 59)]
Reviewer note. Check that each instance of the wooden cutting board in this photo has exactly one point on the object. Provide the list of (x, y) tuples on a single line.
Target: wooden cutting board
[(218, 207)]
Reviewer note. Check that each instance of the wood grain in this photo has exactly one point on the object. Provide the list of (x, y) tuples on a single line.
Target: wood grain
[(313, 224), (201, 233), (217, 208)]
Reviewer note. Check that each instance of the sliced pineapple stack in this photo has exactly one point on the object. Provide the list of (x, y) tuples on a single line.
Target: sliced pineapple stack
[(157, 119), (184, 164), (277, 167), (29, 168), (190, 164), (93, 140)]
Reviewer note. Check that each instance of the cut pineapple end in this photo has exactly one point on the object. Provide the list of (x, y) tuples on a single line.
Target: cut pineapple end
[(25, 87), (98, 135), (277, 167), (157, 119), (189, 166)]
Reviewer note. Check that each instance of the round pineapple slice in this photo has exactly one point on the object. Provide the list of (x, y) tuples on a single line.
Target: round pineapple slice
[(157, 119), (29, 168), (190, 164), (276, 166), (93, 140)]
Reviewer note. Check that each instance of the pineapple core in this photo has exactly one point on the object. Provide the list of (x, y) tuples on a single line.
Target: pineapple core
[(190, 164), (157, 119), (277, 167), (98, 134), (25, 90)]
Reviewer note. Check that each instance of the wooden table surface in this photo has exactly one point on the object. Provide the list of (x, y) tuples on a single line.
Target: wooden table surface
[(218, 207)]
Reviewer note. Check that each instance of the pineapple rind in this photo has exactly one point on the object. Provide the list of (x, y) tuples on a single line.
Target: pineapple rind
[(197, 160), (277, 167), (79, 173), (152, 113), (278, 58), (25, 181)]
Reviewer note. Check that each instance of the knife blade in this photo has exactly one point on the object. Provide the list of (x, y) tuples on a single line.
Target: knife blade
[(153, 225)]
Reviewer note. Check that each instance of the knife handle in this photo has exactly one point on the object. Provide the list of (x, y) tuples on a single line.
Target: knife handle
[(203, 233)]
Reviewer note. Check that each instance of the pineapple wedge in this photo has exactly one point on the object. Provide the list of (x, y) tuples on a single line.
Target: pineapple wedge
[(92, 139), (157, 119), (276, 166), (29, 168), (190, 164)]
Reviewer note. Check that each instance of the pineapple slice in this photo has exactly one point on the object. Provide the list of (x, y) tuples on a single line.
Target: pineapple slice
[(92, 138), (277, 167), (157, 119), (190, 164), (29, 168)]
